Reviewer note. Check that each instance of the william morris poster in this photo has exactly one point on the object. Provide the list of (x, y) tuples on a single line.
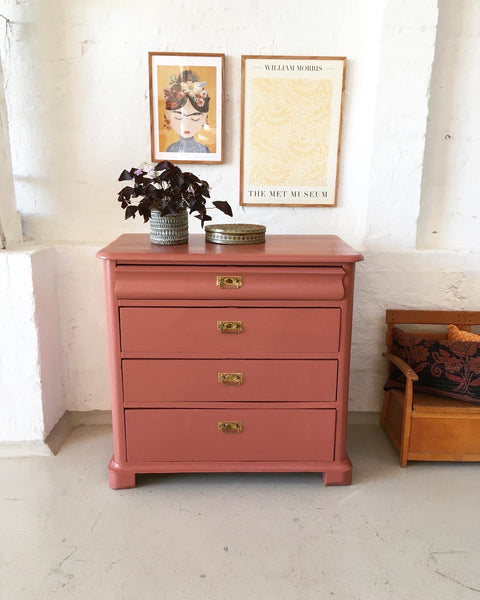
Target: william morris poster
[(291, 125)]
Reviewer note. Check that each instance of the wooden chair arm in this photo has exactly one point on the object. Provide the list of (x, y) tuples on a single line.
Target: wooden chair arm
[(402, 365)]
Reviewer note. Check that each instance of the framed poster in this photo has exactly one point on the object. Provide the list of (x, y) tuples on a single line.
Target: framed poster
[(186, 107), (291, 125)]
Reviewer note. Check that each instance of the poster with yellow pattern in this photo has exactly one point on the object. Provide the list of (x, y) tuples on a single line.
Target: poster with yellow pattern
[(291, 130)]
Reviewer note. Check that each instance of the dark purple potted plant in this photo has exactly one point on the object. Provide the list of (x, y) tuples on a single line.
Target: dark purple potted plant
[(165, 195)]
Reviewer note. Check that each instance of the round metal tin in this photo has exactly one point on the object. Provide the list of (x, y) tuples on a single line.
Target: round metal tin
[(235, 233)]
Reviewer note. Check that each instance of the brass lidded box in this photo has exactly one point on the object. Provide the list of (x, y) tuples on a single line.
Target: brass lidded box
[(235, 233)]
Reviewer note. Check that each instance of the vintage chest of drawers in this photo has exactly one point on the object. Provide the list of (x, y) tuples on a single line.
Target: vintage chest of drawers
[(229, 358)]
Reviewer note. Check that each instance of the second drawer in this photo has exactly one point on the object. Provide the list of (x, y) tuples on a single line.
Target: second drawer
[(248, 332), (160, 382)]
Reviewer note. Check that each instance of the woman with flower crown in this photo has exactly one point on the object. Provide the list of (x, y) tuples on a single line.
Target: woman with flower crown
[(187, 103)]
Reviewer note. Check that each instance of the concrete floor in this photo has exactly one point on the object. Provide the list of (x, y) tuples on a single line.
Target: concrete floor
[(394, 534)]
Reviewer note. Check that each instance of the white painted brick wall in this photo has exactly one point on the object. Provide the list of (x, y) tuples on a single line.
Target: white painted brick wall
[(79, 79), (77, 90)]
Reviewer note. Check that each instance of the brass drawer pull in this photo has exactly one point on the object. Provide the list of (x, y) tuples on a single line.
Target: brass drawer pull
[(230, 378), (230, 426), (226, 282), (229, 326)]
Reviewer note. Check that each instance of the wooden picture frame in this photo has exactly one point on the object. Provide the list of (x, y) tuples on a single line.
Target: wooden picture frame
[(291, 126), (186, 107)]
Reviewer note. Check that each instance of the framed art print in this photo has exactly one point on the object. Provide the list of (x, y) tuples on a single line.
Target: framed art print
[(291, 125), (186, 107)]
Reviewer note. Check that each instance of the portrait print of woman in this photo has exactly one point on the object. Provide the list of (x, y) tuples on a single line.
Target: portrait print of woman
[(186, 111), (186, 107)]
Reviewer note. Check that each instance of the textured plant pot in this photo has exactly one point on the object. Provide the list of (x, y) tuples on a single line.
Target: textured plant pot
[(170, 230)]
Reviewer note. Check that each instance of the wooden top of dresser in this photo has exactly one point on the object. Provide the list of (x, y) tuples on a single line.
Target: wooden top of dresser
[(136, 248)]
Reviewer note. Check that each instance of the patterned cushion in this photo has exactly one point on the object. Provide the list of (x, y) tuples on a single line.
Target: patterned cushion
[(444, 368), (457, 335)]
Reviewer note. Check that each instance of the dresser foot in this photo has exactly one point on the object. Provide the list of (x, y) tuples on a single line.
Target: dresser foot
[(341, 475), (119, 479)]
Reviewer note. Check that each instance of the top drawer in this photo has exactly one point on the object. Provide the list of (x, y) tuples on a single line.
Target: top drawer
[(229, 283)]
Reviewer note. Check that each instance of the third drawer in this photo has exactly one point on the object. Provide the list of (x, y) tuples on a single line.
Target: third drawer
[(151, 382)]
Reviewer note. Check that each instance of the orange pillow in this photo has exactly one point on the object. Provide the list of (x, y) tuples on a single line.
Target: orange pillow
[(457, 335)]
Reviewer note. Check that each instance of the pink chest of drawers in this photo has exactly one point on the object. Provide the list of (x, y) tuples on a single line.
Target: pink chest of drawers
[(229, 358)]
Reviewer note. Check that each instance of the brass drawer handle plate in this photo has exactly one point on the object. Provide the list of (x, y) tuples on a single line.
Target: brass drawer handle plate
[(226, 282), (229, 326), (230, 426), (230, 378)]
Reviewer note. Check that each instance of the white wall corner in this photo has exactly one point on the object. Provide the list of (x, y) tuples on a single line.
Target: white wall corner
[(10, 224), (47, 320), (83, 331), (407, 50), (21, 414), (30, 357), (450, 211)]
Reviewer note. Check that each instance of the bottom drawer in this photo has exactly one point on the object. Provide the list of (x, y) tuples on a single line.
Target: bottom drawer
[(155, 435)]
